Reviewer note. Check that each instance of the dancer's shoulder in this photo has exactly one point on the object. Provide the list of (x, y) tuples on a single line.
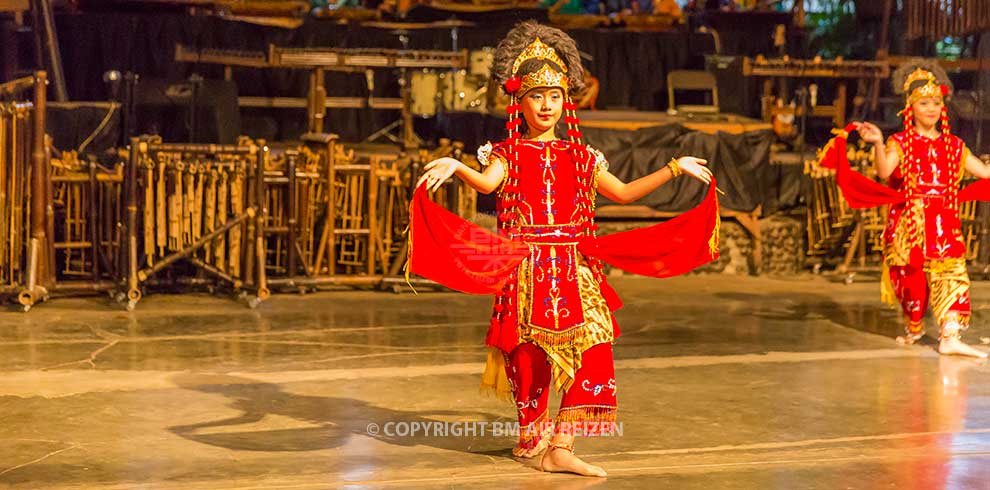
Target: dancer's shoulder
[(593, 154), (491, 152)]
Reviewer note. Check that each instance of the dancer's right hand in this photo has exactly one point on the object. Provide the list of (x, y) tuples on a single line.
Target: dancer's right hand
[(870, 133), (695, 167), (437, 172)]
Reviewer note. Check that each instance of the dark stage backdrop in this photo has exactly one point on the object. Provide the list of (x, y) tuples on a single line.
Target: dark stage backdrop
[(71, 125), (632, 66), (740, 162)]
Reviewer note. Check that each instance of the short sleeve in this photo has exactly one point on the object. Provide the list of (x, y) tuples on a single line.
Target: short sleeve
[(894, 145), (601, 163), (486, 156)]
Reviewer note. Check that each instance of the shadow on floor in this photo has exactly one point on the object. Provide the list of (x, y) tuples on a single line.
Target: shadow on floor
[(333, 420)]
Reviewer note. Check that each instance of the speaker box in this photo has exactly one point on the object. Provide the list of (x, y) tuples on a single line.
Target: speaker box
[(736, 93), (163, 108)]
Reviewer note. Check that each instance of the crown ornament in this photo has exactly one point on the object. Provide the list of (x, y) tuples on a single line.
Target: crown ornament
[(539, 51), (930, 89), (544, 77)]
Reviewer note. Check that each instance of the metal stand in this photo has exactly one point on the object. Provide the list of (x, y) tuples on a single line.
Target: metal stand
[(406, 136)]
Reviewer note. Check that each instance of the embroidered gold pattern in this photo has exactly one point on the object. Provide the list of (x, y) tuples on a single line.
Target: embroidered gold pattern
[(949, 282), (930, 89), (540, 51), (544, 77), (564, 348)]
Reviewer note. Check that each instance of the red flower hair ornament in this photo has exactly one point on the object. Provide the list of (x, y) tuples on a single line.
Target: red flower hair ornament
[(512, 85)]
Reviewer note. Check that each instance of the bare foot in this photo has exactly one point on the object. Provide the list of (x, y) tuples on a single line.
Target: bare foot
[(955, 346), (557, 460), (532, 452)]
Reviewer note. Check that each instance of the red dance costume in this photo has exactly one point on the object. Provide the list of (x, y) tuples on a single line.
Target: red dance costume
[(556, 308), (924, 250), (552, 320), (923, 233)]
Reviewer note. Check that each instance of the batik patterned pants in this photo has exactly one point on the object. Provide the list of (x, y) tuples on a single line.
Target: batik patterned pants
[(587, 407), (944, 283)]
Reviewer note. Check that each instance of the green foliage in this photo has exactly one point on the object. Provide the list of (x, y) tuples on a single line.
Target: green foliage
[(832, 27), (949, 48)]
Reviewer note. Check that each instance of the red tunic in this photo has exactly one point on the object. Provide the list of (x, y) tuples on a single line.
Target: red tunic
[(547, 202), (928, 175), (545, 264)]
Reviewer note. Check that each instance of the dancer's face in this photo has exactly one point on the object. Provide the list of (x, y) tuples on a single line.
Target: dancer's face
[(927, 111), (541, 108)]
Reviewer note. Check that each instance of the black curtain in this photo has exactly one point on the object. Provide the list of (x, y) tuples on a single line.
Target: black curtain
[(740, 162), (632, 66)]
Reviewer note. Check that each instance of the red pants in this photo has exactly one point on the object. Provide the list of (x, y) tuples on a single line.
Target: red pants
[(947, 288), (588, 407)]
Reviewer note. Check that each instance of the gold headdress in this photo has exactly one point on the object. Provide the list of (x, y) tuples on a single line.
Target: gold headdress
[(557, 65), (931, 88), (539, 51), (934, 83), (546, 76)]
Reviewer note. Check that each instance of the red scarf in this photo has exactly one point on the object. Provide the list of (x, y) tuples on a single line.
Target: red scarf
[(863, 192), (468, 258)]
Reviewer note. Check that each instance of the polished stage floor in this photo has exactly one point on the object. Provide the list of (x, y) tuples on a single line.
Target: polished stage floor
[(723, 383)]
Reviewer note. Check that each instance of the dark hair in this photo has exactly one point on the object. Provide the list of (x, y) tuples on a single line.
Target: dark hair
[(521, 36)]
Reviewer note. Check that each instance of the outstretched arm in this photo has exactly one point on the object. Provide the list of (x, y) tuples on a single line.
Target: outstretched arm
[(623, 193), (438, 171), (976, 167)]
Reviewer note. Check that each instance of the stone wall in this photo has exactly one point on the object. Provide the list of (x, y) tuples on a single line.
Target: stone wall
[(782, 249)]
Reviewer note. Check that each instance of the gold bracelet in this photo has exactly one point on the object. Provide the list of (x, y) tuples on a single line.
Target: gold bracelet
[(675, 168)]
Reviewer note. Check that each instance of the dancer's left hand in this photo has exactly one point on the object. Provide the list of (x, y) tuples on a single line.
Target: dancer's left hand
[(695, 167)]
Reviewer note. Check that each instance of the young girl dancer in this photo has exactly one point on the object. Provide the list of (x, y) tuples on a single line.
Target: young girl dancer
[(552, 322), (924, 251)]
